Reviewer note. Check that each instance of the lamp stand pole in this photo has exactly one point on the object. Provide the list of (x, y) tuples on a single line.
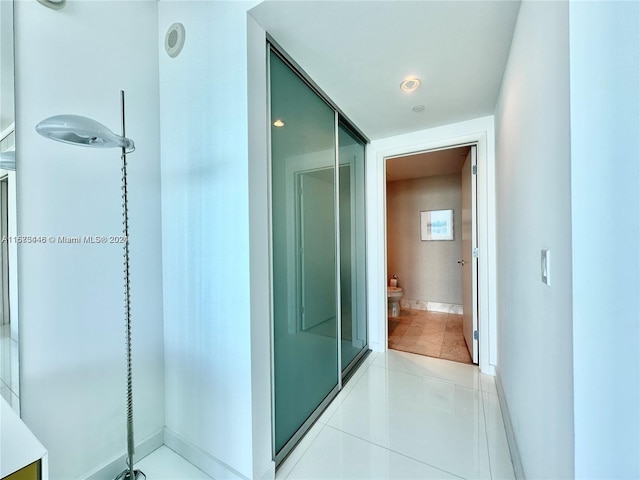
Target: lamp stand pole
[(129, 473), (78, 130)]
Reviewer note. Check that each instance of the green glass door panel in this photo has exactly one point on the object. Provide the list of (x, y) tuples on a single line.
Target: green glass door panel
[(304, 250), (352, 246)]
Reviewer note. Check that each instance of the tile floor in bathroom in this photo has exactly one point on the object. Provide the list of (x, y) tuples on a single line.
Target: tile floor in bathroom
[(429, 333), (401, 416)]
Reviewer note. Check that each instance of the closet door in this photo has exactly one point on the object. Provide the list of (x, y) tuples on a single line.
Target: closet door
[(353, 303), (304, 245)]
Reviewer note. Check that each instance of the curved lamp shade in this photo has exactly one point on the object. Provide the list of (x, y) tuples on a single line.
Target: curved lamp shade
[(78, 130), (54, 4), (8, 160)]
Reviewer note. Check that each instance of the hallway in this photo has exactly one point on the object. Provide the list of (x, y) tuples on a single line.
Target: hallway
[(407, 416)]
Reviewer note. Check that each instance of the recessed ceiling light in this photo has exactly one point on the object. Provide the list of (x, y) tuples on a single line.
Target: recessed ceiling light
[(418, 108), (410, 84), (278, 123)]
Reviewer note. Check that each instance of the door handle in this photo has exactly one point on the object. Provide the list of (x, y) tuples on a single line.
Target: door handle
[(461, 262)]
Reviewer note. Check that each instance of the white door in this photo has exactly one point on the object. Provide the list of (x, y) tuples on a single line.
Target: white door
[(469, 262)]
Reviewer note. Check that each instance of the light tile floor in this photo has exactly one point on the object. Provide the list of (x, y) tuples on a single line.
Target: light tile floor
[(401, 416), (407, 416), (165, 464)]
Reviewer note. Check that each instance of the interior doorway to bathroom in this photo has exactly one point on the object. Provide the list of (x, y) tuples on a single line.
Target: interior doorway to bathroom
[(431, 245)]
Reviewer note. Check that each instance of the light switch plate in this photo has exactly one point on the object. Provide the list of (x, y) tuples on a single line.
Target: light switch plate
[(545, 266)]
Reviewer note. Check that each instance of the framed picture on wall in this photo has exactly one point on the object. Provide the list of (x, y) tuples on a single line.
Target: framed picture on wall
[(436, 225)]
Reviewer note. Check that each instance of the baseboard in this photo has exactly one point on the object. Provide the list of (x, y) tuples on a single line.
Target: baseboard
[(112, 469), (268, 472), (197, 456), (508, 426), (431, 306)]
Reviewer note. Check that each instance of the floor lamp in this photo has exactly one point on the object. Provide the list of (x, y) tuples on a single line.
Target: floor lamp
[(83, 131)]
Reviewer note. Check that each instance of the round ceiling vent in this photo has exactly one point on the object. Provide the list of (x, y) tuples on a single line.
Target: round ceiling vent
[(174, 40)]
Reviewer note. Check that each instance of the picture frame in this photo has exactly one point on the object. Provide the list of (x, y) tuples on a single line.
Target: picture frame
[(436, 225)]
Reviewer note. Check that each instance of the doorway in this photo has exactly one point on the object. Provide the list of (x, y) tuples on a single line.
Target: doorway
[(431, 232)]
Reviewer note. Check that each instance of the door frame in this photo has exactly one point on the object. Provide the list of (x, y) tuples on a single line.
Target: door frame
[(472, 185), (475, 347), (481, 132)]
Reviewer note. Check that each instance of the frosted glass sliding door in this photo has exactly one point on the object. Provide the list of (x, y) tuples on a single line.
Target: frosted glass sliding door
[(352, 247), (303, 191), (318, 251)]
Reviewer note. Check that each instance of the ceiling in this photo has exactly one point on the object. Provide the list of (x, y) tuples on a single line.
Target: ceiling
[(429, 164), (358, 52)]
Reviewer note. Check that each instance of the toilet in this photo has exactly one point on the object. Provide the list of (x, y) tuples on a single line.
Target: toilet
[(394, 294)]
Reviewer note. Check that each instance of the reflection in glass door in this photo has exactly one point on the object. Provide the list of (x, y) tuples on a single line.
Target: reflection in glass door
[(352, 247), (304, 251), (318, 252)]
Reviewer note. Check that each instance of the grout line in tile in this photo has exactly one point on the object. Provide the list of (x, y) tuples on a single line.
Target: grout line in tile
[(443, 380), (301, 453), (394, 451), (412, 374), (322, 423), (490, 393), (353, 381), (486, 431)]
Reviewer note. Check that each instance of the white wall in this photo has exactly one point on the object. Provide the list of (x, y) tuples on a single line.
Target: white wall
[(6, 65), (12, 221), (73, 373), (427, 271), (259, 228), (217, 363), (480, 130), (605, 181), (533, 185)]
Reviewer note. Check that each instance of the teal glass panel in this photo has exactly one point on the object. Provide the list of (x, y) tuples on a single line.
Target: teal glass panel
[(304, 250), (353, 302)]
